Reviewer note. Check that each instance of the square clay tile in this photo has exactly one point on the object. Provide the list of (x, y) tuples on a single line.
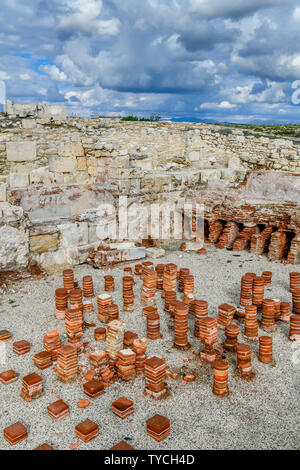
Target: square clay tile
[(5, 335), (93, 388), (122, 404), (44, 447), (158, 423), (87, 430), (154, 362), (58, 410), (32, 379), (122, 445), (8, 377), (21, 347), (15, 433)]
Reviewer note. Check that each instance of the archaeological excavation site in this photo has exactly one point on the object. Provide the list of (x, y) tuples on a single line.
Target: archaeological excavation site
[(117, 334)]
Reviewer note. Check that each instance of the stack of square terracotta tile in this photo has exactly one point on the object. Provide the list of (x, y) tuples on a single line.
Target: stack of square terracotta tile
[(149, 279), (109, 283), (32, 386), (160, 276), (267, 275), (215, 230), (181, 314), (265, 349), (128, 295), (52, 343), (170, 277), (285, 312), (229, 234), (87, 286), (251, 324), (232, 331), (125, 364), (100, 334), (8, 377), (258, 291), (74, 325), (225, 315), (61, 302), (103, 301), (247, 289), (21, 347), (87, 305), (122, 445), (260, 241), (87, 430), (139, 346), (5, 335), (15, 433), (220, 369), (114, 338), (268, 315), (158, 427), (188, 289), (58, 410), (208, 337), (112, 312), (67, 363), (200, 312), (244, 360), (93, 388), (122, 407), (42, 360), (75, 297), (294, 334), (129, 337), (155, 375), (153, 326), (148, 310), (68, 279), (183, 272), (277, 246), (103, 365), (243, 240)]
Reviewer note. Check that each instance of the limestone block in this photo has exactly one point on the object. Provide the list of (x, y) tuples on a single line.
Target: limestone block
[(28, 123), (155, 252), (210, 174), (194, 156), (45, 177), (2, 192), (21, 151), (72, 149), (81, 164), (42, 243), (13, 247), (62, 164), (74, 234), (234, 162), (46, 111), (18, 180), (53, 261)]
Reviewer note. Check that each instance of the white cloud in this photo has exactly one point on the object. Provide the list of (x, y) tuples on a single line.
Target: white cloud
[(54, 73), (222, 105)]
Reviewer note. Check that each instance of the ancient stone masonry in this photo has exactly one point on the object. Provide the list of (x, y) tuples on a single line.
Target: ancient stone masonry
[(60, 177)]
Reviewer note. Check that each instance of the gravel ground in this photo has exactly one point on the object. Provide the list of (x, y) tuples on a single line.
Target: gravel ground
[(262, 413)]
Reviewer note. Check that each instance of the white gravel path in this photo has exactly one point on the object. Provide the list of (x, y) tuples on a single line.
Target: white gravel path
[(259, 414)]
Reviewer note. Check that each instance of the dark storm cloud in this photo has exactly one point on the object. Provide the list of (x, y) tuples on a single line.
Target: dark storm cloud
[(227, 58)]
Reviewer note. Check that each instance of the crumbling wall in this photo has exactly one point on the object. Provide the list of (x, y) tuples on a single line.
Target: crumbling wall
[(62, 178)]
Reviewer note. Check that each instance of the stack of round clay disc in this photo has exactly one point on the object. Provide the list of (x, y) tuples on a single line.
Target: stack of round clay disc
[(109, 283), (112, 312), (100, 334), (170, 296), (153, 326), (232, 331), (181, 313), (76, 297), (183, 272), (265, 349), (188, 289), (128, 271), (244, 359), (277, 309), (87, 286), (294, 281), (200, 312), (246, 289), (170, 277), (220, 369), (268, 315), (296, 300), (128, 296), (251, 324), (61, 301), (267, 275), (258, 291), (295, 328), (285, 312), (138, 269), (139, 346), (68, 279), (160, 276)]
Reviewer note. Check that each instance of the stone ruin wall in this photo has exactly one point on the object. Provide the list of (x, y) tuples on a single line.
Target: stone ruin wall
[(54, 176)]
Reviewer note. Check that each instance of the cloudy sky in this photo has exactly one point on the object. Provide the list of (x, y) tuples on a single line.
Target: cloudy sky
[(224, 60)]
